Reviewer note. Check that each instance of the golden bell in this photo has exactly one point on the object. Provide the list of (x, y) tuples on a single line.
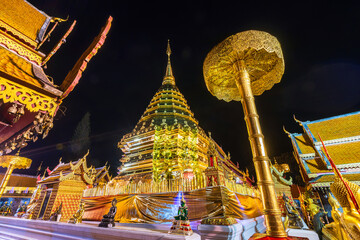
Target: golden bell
[(21, 110), (12, 109)]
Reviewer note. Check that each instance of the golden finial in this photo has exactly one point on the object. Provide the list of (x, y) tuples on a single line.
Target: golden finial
[(168, 50), (298, 121), (288, 133), (169, 77), (56, 19)]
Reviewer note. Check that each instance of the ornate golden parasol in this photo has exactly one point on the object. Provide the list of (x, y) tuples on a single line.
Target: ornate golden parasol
[(12, 162), (243, 65)]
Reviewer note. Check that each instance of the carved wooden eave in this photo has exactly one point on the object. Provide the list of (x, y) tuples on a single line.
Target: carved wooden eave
[(102, 173), (66, 177), (75, 74), (88, 179), (23, 83), (80, 162)]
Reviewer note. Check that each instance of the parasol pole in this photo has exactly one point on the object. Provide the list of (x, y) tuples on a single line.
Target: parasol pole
[(6, 178)]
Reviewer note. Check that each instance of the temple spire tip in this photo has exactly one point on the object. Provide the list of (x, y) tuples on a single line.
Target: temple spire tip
[(168, 50), (169, 77)]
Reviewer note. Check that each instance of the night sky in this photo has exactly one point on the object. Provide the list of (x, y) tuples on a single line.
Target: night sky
[(320, 43)]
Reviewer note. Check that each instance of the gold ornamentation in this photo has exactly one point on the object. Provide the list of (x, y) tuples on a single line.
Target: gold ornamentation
[(219, 221), (77, 217), (15, 161), (244, 65), (73, 77), (24, 17), (346, 225), (262, 58), (12, 162), (337, 228), (18, 34), (168, 78), (20, 49), (33, 101)]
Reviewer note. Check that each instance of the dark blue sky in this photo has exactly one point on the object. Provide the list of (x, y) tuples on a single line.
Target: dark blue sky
[(320, 42)]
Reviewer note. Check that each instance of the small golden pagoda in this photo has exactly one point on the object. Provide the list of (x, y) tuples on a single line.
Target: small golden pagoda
[(29, 99), (65, 185), (168, 144)]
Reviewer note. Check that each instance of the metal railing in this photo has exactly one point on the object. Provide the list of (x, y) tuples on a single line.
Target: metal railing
[(174, 185)]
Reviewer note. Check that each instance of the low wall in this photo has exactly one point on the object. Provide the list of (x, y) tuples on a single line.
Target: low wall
[(203, 203)]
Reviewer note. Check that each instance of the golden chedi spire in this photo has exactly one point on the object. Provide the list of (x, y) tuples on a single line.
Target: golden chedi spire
[(169, 77)]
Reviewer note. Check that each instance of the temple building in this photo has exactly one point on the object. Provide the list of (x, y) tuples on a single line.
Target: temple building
[(29, 98), (341, 136), (168, 144), (18, 190), (65, 185)]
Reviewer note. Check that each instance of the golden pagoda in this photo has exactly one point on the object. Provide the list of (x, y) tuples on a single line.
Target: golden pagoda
[(168, 144), (166, 156)]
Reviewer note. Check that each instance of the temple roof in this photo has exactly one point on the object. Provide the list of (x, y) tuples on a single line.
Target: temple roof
[(341, 126), (345, 153), (327, 180), (20, 180), (64, 170), (304, 143), (317, 165), (330, 177), (90, 175), (341, 136), (23, 20), (168, 106), (17, 67)]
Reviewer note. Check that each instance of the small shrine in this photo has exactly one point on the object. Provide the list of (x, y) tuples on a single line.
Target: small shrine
[(19, 189), (214, 174), (65, 185)]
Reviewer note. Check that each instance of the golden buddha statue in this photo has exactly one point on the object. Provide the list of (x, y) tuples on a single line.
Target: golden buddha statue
[(336, 228), (346, 225), (311, 207), (77, 217)]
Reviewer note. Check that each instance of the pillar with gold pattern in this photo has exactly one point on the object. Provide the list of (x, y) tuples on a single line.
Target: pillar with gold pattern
[(244, 65)]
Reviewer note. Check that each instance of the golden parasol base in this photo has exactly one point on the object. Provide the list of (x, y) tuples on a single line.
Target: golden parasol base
[(227, 221), (259, 236)]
